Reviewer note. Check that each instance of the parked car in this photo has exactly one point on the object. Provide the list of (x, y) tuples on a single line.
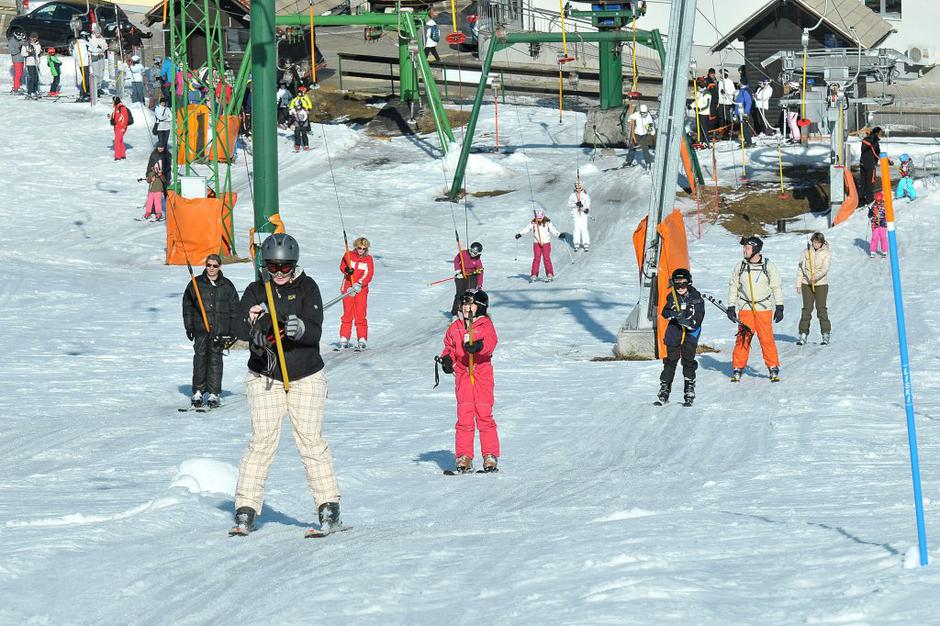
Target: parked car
[(467, 22), (52, 21)]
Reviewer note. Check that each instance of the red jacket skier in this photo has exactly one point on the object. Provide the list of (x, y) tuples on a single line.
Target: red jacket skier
[(120, 119), (357, 268), (468, 348), (468, 273)]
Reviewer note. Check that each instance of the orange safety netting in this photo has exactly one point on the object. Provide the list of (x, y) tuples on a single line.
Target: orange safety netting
[(191, 136), (193, 228), (673, 254), (687, 165), (639, 243), (225, 136), (278, 228)]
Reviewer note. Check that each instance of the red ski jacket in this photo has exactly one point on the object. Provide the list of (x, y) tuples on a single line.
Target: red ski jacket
[(363, 269)]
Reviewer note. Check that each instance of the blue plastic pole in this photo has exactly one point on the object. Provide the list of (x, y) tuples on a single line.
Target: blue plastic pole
[(905, 361)]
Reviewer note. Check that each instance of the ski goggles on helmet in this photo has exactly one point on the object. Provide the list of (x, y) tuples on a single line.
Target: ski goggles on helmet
[(680, 284), (280, 268)]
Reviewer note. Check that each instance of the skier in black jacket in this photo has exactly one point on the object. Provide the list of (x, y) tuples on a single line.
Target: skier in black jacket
[(299, 311), (867, 164), (684, 310), (220, 300)]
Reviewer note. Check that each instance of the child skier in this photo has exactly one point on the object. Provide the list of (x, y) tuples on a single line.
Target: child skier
[(284, 98), (579, 203), (154, 209), (31, 51), (357, 267), (300, 118), (879, 226), (684, 310), (468, 349), (542, 229), (55, 65), (906, 184), (468, 273)]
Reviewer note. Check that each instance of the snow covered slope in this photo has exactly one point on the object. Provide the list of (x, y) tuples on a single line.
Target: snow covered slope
[(787, 503)]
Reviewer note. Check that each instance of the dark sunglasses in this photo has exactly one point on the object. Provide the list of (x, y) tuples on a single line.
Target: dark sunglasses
[(212, 265), (283, 268), (682, 285)]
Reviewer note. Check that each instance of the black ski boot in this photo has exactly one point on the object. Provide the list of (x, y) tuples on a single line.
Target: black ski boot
[(688, 392), (244, 522), (663, 395), (329, 521)]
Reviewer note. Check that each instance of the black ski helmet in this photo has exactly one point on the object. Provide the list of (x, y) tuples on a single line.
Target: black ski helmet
[(478, 297), (681, 274), (476, 249), (280, 248), (756, 243)]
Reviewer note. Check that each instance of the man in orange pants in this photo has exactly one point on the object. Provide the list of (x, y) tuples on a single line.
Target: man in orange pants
[(755, 297), (357, 267)]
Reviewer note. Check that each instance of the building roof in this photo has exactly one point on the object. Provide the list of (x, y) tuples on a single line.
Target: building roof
[(870, 28), (243, 7)]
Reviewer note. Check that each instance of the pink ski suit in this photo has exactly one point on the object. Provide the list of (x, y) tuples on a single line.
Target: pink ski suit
[(474, 399)]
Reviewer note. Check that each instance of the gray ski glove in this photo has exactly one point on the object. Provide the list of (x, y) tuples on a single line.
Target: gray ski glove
[(294, 328)]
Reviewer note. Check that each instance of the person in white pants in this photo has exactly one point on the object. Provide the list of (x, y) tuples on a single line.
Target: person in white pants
[(579, 203)]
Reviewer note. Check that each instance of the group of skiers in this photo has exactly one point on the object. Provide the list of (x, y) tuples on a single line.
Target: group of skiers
[(295, 111)]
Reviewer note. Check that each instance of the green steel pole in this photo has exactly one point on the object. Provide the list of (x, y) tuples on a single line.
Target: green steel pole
[(611, 75), (264, 115), (472, 124), (241, 82), (441, 121), (407, 79)]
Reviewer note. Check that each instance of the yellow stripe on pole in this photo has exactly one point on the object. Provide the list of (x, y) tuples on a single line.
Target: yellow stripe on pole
[(313, 47)]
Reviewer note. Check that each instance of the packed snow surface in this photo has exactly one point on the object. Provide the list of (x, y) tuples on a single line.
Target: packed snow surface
[(788, 503)]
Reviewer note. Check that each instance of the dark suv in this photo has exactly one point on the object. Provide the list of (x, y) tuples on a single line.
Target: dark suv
[(52, 21)]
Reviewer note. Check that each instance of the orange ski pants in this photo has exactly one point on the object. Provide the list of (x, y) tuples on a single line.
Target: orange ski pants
[(762, 323)]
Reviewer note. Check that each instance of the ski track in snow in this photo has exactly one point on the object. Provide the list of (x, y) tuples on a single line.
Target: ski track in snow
[(781, 504)]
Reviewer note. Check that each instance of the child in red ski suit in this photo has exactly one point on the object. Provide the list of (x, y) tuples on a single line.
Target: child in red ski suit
[(357, 268), (542, 229), (468, 348)]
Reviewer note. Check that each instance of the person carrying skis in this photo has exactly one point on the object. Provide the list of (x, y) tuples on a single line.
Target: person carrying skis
[(542, 230), (879, 226), (684, 310), (755, 301), (468, 351), (31, 51), (219, 301), (120, 120), (357, 267), (906, 184), (55, 69), (642, 134), (300, 119), (299, 310), (155, 190), (812, 282), (579, 204), (468, 274)]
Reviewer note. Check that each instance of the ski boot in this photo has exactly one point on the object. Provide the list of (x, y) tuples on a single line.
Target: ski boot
[(361, 345), (586, 247), (774, 374), (802, 339), (212, 401), (329, 521), (688, 392), (196, 399), (549, 278), (343, 343), (533, 278), (244, 522), (464, 464), (825, 339), (489, 463), (663, 396), (736, 375)]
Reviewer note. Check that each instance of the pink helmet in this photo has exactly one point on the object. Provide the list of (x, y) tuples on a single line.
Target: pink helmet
[(539, 213)]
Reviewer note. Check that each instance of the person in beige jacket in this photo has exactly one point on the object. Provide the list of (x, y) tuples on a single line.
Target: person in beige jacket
[(812, 281), (755, 301)]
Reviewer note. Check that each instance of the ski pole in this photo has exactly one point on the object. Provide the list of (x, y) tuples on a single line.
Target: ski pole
[(443, 280), (724, 309), (266, 278), (356, 288)]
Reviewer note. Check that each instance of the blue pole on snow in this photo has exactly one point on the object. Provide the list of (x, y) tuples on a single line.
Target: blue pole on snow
[(905, 361)]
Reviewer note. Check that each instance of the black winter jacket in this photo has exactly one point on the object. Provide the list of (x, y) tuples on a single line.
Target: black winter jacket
[(871, 152), (220, 301), (688, 318), (300, 297)]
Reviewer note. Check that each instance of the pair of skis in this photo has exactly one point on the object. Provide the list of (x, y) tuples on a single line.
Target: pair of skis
[(479, 471), (241, 530)]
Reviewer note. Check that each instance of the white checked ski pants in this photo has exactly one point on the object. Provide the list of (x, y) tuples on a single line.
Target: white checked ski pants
[(268, 405)]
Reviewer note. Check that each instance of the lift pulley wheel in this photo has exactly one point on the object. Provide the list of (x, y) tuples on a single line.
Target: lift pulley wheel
[(563, 60), (633, 95), (803, 123), (456, 38)]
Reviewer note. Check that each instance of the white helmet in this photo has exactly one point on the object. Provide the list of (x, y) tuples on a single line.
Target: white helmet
[(135, 58), (644, 108), (539, 213)]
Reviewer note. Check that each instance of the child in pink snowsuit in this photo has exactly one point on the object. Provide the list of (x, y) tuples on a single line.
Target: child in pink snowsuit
[(154, 208), (879, 225), (468, 347), (542, 229)]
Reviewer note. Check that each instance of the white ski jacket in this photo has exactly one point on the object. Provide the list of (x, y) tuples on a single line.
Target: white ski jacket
[(541, 233), (755, 284), (762, 97), (573, 203), (814, 267)]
